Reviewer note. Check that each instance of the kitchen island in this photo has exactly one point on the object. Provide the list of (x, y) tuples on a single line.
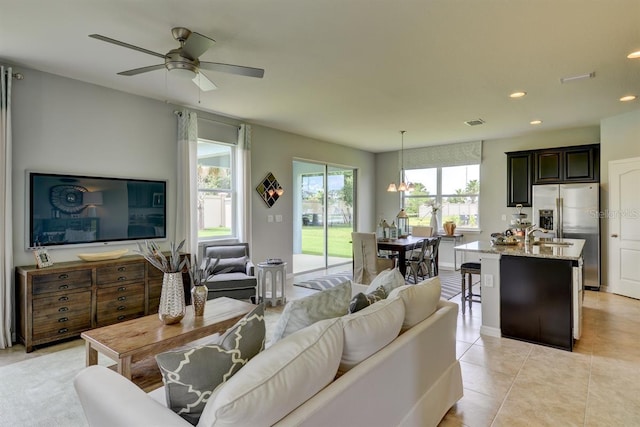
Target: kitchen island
[(531, 292)]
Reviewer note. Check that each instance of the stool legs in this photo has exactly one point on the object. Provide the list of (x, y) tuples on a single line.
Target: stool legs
[(467, 291)]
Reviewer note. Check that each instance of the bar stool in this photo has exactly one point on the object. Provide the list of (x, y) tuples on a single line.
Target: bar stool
[(467, 270)]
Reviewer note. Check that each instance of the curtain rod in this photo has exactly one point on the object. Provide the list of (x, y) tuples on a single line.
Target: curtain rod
[(179, 114)]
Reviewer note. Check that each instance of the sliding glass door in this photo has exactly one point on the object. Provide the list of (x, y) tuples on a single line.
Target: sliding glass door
[(324, 201)]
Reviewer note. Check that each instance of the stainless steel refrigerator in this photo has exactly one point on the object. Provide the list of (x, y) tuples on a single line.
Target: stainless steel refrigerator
[(572, 211)]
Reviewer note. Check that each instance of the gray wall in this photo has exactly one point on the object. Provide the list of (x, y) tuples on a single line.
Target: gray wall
[(64, 125), (274, 151)]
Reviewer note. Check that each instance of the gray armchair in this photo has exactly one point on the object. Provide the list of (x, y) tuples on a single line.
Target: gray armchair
[(238, 279)]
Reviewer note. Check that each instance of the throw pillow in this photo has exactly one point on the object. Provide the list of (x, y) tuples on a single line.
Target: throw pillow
[(420, 301), (389, 279), (231, 265), (362, 300), (279, 379), (370, 329), (300, 313), (191, 375)]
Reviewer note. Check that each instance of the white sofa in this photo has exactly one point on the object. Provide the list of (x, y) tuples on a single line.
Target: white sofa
[(412, 381)]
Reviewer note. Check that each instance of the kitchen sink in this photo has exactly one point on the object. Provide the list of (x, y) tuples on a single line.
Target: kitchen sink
[(548, 243)]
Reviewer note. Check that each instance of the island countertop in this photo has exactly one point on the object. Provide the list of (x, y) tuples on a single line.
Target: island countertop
[(544, 250)]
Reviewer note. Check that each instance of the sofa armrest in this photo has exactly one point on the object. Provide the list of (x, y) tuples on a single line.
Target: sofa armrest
[(109, 399)]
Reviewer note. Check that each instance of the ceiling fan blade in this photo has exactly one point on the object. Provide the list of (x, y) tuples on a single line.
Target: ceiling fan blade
[(196, 45), (204, 83), (127, 45), (233, 69), (141, 70)]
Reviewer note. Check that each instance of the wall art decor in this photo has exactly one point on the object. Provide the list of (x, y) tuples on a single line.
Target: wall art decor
[(269, 189)]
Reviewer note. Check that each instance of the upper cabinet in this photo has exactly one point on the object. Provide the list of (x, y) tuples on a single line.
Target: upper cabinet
[(519, 178), (568, 164), (549, 166)]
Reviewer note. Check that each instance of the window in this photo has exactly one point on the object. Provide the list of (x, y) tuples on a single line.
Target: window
[(454, 191), (216, 190)]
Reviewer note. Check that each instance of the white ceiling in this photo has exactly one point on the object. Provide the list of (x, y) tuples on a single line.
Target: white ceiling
[(355, 72)]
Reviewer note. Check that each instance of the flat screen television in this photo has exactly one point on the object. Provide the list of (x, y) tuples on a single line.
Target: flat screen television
[(68, 209)]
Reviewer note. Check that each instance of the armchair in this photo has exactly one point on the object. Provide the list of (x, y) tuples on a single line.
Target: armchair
[(235, 275)]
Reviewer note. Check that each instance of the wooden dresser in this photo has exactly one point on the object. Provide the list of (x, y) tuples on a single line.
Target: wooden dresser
[(63, 300)]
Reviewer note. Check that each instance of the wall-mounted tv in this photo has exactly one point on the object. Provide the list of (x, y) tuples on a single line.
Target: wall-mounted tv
[(68, 209)]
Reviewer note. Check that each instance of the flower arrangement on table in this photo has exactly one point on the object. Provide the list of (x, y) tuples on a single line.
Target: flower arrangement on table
[(172, 306)]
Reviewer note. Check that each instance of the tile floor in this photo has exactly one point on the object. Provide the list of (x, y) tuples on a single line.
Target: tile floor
[(513, 383)]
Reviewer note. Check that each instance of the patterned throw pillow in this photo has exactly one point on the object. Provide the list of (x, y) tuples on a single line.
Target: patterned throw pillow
[(300, 313), (362, 300), (191, 375), (389, 279)]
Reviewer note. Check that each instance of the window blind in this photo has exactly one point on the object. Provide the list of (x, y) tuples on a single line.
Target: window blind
[(465, 153)]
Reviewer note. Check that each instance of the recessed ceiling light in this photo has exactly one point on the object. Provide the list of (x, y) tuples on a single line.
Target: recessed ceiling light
[(628, 98), (517, 94), (535, 122), (634, 55)]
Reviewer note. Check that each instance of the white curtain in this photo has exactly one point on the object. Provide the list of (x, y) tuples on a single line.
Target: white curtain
[(243, 166), (187, 200), (6, 236)]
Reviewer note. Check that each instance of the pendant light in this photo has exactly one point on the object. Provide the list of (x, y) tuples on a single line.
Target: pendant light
[(402, 187)]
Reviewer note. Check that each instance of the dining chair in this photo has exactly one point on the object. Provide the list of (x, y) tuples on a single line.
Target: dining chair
[(430, 263), (421, 231), (366, 262), (416, 260)]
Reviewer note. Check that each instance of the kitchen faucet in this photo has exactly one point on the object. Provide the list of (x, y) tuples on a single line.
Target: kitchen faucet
[(528, 232)]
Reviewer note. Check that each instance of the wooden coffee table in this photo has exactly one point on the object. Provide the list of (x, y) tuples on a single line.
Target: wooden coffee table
[(134, 343)]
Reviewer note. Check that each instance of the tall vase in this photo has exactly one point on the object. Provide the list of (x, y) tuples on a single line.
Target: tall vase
[(172, 306), (434, 224), (199, 295)]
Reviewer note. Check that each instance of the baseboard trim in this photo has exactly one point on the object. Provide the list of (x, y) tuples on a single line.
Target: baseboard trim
[(490, 331)]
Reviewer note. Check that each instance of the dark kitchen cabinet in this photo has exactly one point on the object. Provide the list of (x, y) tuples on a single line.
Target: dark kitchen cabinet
[(567, 164), (519, 178)]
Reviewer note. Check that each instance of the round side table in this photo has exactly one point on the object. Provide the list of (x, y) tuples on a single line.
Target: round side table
[(272, 283)]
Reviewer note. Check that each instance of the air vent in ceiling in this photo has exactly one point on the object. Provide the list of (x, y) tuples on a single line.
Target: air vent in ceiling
[(474, 122)]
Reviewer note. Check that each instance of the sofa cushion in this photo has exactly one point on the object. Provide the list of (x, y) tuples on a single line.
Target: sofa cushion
[(370, 329), (420, 301), (300, 313), (389, 279), (190, 375), (231, 265), (279, 379), (362, 300)]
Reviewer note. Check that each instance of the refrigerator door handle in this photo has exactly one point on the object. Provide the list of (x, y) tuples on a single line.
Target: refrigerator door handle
[(558, 218), (561, 217)]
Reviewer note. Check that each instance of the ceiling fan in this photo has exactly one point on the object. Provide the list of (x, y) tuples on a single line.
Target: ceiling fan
[(184, 59)]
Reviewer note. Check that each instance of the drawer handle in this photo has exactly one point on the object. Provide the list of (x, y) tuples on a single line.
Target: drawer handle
[(122, 298), (121, 278), (121, 317), (63, 330), (63, 299), (122, 288), (63, 319), (122, 269), (63, 287), (63, 309), (63, 276), (122, 307)]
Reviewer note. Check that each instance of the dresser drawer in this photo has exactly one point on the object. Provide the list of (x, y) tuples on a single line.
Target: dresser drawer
[(120, 273), (61, 315), (61, 281), (118, 303)]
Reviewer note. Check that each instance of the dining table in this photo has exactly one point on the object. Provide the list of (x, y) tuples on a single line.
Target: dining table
[(401, 246)]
